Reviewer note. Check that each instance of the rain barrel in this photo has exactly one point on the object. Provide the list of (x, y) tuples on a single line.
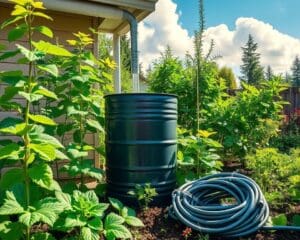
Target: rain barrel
[(141, 144)]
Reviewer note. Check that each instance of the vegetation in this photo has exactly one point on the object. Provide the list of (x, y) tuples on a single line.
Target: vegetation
[(252, 71), (277, 174), (296, 72), (57, 84), (144, 194)]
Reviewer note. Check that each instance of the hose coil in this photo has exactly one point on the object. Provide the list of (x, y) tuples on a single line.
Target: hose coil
[(201, 205)]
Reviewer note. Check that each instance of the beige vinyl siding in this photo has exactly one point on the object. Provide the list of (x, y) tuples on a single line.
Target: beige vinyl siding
[(63, 25)]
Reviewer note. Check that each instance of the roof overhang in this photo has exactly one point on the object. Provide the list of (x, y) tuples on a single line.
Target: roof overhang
[(139, 8), (109, 11)]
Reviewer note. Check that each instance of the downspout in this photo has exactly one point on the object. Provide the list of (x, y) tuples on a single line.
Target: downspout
[(98, 10), (134, 49)]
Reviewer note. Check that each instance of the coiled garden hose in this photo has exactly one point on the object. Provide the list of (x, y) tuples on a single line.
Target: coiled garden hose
[(201, 205)]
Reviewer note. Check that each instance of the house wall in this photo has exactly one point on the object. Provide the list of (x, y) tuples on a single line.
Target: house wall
[(63, 25)]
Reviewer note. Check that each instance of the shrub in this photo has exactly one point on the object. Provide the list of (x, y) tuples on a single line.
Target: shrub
[(197, 155), (276, 173)]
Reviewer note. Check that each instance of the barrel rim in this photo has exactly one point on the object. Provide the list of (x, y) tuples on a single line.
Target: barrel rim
[(141, 94)]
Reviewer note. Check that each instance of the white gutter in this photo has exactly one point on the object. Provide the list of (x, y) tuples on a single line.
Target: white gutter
[(103, 11)]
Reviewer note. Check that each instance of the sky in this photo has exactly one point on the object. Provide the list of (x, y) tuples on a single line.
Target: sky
[(274, 24)]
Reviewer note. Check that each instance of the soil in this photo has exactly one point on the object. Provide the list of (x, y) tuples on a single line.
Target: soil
[(158, 226)]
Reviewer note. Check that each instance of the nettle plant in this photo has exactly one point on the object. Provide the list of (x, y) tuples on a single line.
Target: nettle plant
[(29, 195), (80, 89), (197, 155), (35, 149)]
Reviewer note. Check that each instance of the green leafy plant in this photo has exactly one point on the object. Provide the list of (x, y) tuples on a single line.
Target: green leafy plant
[(277, 174), (197, 155), (80, 89), (84, 215), (144, 194), (36, 148), (127, 213)]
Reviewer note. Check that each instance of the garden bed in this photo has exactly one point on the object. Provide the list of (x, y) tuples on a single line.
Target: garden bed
[(158, 226)]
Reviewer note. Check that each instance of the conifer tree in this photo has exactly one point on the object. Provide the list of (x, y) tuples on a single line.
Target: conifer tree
[(252, 71), (296, 72), (269, 73)]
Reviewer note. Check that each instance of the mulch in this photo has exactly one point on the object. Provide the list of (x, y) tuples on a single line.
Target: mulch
[(158, 226)]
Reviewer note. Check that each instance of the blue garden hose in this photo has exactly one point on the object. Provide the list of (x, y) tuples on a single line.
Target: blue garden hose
[(198, 205)]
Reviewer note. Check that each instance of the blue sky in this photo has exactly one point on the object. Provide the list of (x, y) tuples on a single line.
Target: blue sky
[(274, 25), (284, 15)]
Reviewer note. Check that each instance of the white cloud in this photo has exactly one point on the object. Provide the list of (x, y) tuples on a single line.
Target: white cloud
[(160, 29), (277, 49), (163, 28)]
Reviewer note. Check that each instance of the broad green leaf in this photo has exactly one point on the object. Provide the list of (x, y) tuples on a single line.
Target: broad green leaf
[(9, 93), (99, 209), (19, 11), (11, 177), (10, 205), (113, 218), (8, 54), (18, 129), (44, 30), (30, 97), (72, 220), (38, 5), (129, 212), (95, 124), (10, 21), (50, 68), (134, 221), (45, 138), (279, 220), (42, 236), (60, 155), (12, 77), (10, 151), (17, 33), (75, 153), (11, 230), (45, 92), (42, 15), (65, 199), (42, 175), (88, 234), (72, 111), (118, 205), (96, 224), (51, 49), (94, 173), (46, 151), (42, 119), (47, 215), (30, 55), (29, 218), (118, 231)]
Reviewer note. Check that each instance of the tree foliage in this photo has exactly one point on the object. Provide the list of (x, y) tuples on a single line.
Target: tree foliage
[(227, 74), (252, 71), (169, 76), (296, 72)]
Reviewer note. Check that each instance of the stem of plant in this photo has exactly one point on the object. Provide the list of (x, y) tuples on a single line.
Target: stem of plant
[(26, 136)]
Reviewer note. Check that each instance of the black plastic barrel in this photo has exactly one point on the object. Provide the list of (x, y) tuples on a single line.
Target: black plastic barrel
[(141, 144)]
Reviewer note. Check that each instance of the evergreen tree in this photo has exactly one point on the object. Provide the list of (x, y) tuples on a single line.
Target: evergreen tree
[(296, 72), (251, 69), (125, 52), (269, 73), (227, 74)]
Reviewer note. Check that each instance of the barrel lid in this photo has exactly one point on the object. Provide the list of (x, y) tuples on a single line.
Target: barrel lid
[(141, 94)]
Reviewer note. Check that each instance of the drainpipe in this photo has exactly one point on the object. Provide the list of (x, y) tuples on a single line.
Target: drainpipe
[(103, 11), (134, 49)]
